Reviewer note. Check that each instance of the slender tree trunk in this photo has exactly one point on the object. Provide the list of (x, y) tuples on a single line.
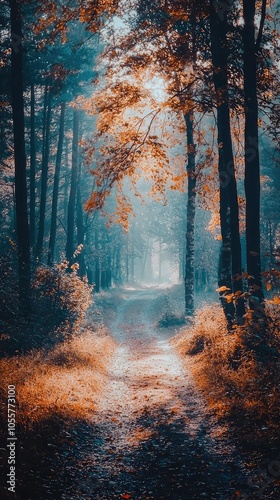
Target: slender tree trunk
[(44, 178), (56, 186), (73, 190), (90, 276), (149, 265), (103, 279), (271, 244), (118, 271), (159, 260), (252, 163), (145, 257), (66, 183), (231, 268), (104, 264), (22, 227), (80, 227), (109, 277), (182, 262), (132, 261), (32, 167), (109, 264), (189, 265), (113, 264), (97, 262), (127, 259)]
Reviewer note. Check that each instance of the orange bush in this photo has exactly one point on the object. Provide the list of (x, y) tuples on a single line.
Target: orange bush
[(239, 382)]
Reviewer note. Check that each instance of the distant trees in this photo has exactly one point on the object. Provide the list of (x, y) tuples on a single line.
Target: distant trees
[(41, 78), (224, 49), (211, 70), (173, 64)]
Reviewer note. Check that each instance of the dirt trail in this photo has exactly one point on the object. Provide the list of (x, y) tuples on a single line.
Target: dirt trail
[(150, 437), (146, 373)]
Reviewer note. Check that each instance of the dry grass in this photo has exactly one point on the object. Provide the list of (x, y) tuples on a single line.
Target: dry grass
[(63, 383), (237, 383)]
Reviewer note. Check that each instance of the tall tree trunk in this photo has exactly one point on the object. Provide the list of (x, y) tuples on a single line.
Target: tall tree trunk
[(103, 262), (189, 265), (109, 263), (97, 262), (22, 227), (127, 259), (44, 177), (271, 244), (80, 227), (32, 167), (73, 190), (103, 279), (231, 268), (252, 163), (66, 183), (56, 185), (188, 260), (113, 264), (109, 276), (143, 273), (118, 270), (132, 261), (159, 259), (182, 261)]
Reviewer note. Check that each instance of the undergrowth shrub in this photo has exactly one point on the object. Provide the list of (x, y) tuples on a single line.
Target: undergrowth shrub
[(59, 300), (61, 295), (170, 316), (239, 384)]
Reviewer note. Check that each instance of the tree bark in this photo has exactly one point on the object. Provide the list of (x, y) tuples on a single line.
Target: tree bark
[(118, 270), (32, 167), (127, 259), (159, 260), (189, 265), (231, 259), (252, 163), (109, 276), (143, 273), (103, 279), (17, 87), (97, 262), (66, 182), (73, 190), (44, 177), (56, 185), (132, 261), (80, 227)]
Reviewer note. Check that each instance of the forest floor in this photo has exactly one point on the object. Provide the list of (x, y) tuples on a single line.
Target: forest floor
[(150, 435)]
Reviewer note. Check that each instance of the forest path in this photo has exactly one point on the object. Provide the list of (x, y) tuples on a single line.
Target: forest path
[(150, 437)]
